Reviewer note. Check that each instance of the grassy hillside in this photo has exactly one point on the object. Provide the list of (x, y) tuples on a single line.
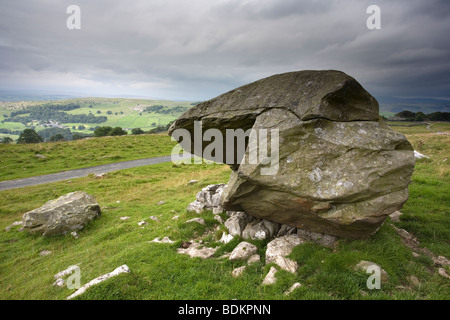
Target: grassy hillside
[(22, 161), (159, 272)]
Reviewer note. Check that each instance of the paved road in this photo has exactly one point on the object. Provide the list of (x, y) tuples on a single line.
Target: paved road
[(79, 173)]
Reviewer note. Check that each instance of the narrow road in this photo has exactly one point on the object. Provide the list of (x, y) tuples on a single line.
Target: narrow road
[(79, 173)]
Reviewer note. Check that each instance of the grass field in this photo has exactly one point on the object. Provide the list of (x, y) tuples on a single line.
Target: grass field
[(22, 161), (159, 272), (125, 113)]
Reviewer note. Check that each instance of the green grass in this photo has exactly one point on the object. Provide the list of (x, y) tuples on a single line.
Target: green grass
[(159, 272), (21, 161)]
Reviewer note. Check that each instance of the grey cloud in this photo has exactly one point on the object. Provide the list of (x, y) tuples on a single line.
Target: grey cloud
[(198, 49)]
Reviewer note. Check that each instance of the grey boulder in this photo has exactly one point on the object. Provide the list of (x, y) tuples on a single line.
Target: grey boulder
[(68, 213), (341, 171)]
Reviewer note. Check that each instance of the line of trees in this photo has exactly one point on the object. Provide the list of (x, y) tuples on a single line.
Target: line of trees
[(420, 116), (60, 134), (165, 110), (45, 113)]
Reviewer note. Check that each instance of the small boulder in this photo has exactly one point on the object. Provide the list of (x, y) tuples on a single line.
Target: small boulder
[(282, 246), (270, 277), (237, 222), (196, 250), (238, 271), (196, 220), (68, 213), (243, 251)]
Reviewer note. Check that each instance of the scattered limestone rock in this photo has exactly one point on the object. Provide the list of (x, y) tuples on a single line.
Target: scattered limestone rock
[(196, 250), (209, 198), (226, 238), (154, 218), (218, 219), (281, 246), (68, 213), (164, 240), (160, 202), (238, 271), (100, 175), (418, 155), (237, 222), (441, 261), (254, 258), (193, 182), (243, 251), (122, 269), (411, 242), (286, 230), (292, 288), (14, 224), (74, 234), (270, 277), (286, 264), (124, 218), (319, 238), (141, 223), (196, 207), (414, 281), (260, 229), (196, 220), (45, 253), (60, 282), (443, 273), (395, 216)]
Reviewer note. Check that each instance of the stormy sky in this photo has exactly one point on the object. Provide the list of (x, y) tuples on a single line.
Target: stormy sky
[(198, 49)]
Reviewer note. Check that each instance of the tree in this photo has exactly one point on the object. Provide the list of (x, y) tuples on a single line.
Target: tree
[(29, 136), (118, 131), (420, 116), (109, 112), (99, 112), (57, 137), (407, 115), (77, 136), (81, 127), (7, 140), (137, 131), (102, 131)]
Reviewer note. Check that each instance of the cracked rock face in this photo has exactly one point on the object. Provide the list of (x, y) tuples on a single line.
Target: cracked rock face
[(68, 213), (341, 170)]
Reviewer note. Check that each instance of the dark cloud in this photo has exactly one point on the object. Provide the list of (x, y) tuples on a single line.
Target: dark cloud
[(198, 49)]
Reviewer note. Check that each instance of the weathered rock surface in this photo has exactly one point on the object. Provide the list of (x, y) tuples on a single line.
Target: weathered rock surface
[(209, 198), (196, 250), (341, 171), (68, 213), (243, 251), (282, 247)]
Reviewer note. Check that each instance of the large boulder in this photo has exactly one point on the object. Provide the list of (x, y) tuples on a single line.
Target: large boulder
[(68, 213), (340, 171)]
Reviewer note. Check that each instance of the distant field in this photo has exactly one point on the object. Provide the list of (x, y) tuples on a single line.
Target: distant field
[(125, 113)]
